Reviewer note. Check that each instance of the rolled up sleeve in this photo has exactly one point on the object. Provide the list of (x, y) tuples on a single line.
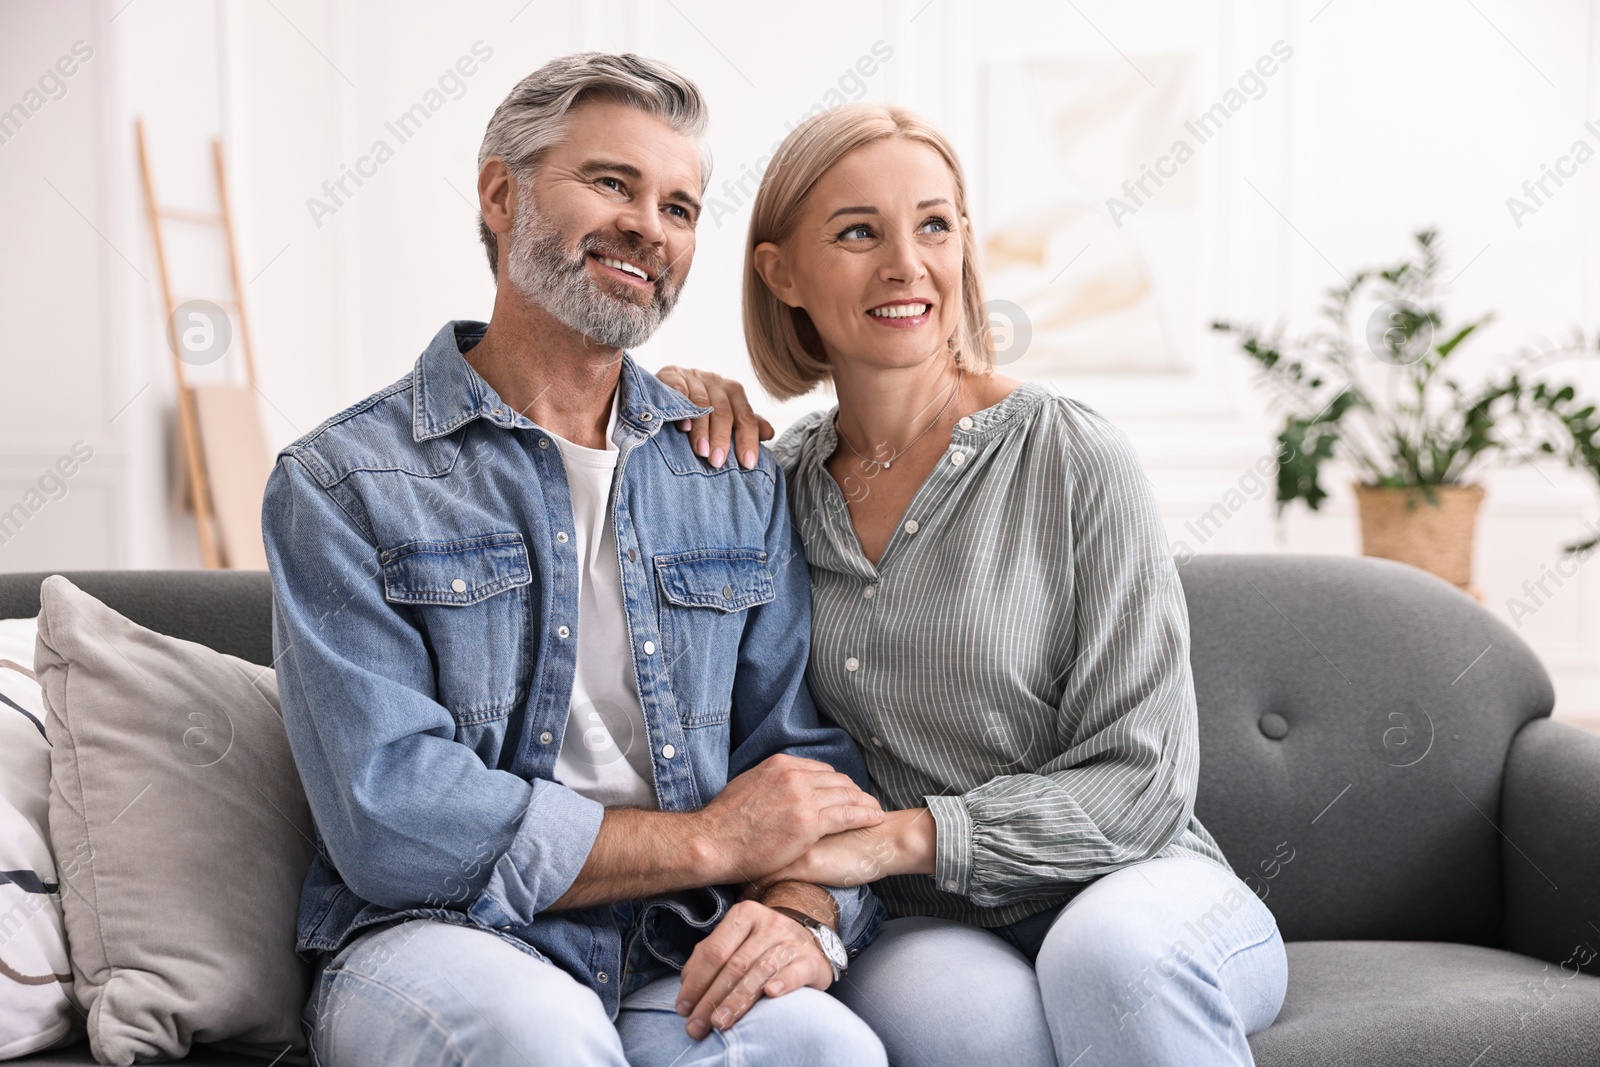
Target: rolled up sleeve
[(860, 915)]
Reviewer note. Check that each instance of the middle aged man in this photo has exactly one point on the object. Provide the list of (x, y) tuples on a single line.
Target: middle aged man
[(542, 668)]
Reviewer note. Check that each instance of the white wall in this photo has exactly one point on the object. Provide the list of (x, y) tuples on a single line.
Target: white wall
[(59, 295), (1389, 117)]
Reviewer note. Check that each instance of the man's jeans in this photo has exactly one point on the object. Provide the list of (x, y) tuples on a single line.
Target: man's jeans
[(1170, 961), (427, 993)]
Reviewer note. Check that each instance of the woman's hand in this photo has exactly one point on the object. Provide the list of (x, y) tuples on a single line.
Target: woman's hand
[(904, 843), (732, 422)]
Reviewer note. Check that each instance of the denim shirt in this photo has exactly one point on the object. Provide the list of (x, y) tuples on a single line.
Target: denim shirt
[(425, 615)]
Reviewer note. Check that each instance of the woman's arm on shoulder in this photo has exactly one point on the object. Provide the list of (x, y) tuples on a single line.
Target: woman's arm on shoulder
[(732, 424)]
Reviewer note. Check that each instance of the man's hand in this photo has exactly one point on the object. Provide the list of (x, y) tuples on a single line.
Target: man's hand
[(710, 434), (767, 817), (753, 952)]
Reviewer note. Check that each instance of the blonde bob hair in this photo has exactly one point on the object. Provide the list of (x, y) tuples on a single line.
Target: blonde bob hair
[(785, 348)]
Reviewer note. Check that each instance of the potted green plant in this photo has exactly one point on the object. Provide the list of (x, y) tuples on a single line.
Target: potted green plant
[(1418, 438)]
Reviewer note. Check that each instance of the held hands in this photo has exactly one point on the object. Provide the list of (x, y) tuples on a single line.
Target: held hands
[(732, 423), (767, 817)]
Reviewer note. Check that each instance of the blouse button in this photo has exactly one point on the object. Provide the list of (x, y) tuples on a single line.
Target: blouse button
[(964, 422), (958, 458), (852, 664), (869, 592), (912, 526), (877, 742)]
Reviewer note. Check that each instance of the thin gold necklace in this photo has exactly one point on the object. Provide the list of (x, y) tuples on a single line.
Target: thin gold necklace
[(885, 463)]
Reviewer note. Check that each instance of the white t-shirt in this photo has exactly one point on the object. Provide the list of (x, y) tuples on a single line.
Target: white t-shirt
[(605, 754)]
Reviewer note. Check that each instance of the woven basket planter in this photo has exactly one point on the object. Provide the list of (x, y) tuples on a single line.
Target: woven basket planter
[(1400, 524)]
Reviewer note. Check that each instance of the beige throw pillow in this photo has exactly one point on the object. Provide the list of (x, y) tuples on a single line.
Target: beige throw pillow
[(172, 777)]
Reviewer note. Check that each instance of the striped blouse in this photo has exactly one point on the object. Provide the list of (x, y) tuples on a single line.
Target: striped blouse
[(1017, 661)]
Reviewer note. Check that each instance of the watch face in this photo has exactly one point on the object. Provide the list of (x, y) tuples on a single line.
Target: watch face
[(832, 947)]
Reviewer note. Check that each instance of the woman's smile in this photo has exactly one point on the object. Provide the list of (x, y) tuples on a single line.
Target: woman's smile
[(902, 314)]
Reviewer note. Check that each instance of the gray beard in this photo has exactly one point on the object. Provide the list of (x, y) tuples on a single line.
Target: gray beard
[(541, 269)]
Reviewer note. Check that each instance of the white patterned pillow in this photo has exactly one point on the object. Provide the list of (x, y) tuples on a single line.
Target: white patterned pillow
[(35, 974)]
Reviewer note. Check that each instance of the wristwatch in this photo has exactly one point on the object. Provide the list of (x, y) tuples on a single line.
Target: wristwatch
[(832, 948)]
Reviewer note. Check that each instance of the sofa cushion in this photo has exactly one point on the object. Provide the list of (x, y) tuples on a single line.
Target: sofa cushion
[(35, 1011), (1421, 1004), (171, 771)]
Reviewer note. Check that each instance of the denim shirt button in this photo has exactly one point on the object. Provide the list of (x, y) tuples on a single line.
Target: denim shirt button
[(458, 586), (649, 648), (544, 442), (668, 751), (563, 632), (646, 416), (546, 737), (602, 977), (561, 535), (632, 555)]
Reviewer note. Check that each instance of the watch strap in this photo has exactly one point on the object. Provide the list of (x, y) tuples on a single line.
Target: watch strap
[(808, 921)]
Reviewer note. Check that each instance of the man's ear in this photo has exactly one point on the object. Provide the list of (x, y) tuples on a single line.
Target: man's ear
[(774, 270), (497, 195)]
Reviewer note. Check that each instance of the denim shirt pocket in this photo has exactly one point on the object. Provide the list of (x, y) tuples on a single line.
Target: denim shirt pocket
[(471, 596), (706, 593)]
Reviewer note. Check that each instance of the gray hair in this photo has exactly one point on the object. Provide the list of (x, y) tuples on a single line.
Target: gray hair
[(533, 117)]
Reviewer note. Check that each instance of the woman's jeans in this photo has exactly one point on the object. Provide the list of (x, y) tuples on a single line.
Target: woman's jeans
[(430, 993), (1170, 961)]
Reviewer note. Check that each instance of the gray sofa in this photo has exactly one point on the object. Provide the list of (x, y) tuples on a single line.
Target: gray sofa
[(1377, 761)]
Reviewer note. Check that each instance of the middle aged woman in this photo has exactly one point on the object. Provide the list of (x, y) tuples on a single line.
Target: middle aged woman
[(998, 622)]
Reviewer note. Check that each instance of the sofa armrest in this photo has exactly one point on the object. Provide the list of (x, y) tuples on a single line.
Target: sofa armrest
[(1550, 861)]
